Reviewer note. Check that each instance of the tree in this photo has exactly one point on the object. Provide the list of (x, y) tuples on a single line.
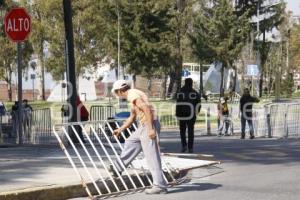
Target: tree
[(220, 31), (38, 38), (88, 40), (181, 13), (267, 24), (198, 40), (289, 35), (270, 18), (143, 26), (295, 46)]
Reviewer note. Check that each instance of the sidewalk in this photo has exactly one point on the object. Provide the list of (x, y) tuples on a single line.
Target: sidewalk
[(33, 171), (31, 168)]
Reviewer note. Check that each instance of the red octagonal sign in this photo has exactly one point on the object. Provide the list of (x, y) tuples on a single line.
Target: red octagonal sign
[(17, 24)]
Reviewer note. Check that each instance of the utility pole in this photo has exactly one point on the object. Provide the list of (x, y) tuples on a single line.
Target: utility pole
[(20, 106), (258, 53), (70, 60), (119, 45)]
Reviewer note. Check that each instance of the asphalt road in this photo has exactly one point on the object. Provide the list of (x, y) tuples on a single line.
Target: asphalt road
[(260, 169)]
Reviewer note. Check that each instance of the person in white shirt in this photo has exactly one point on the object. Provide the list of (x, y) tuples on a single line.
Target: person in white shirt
[(145, 138)]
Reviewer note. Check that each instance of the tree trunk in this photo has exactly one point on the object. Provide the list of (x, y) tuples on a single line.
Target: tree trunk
[(261, 81), (9, 83), (165, 78), (178, 75), (171, 84), (178, 37), (201, 92), (222, 81), (149, 86), (270, 84), (42, 70), (43, 79), (234, 79), (242, 86), (262, 71), (133, 81)]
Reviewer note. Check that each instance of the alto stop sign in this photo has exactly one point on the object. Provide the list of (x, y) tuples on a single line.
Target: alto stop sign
[(17, 24)]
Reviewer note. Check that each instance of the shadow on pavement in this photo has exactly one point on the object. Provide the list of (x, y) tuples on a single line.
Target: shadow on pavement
[(194, 187), (232, 149)]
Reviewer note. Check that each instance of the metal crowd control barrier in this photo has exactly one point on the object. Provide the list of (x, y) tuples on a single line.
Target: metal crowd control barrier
[(292, 120), (168, 121), (282, 119), (100, 113), (41, 126), (278, 120), (90, 160), (36, 127), (98, 155)]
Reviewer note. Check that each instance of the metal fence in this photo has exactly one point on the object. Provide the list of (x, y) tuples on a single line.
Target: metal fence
[(36, 127), (100, 113), (270, 120), (273, 120), (41, 127), (93, 159), (99, 154), (292, 120), (284, 119)]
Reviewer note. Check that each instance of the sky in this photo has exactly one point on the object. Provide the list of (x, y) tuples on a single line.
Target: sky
[(294, 6)]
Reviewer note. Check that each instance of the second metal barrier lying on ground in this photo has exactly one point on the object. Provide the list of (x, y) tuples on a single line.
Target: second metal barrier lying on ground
[(91, 159)]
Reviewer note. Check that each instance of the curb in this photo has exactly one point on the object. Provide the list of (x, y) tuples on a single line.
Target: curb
[(48, 192), (64, 192)]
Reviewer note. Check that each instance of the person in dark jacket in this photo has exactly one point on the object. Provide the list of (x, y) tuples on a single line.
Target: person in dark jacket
[(26, 106), (246, 104), (188, 104)]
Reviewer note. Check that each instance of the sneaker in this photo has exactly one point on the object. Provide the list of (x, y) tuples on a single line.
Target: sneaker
[(191, 151), (156, 190), (113, 171), (252, 137)]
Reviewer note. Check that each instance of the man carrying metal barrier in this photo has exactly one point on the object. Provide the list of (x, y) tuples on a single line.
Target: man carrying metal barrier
[(144, 138)]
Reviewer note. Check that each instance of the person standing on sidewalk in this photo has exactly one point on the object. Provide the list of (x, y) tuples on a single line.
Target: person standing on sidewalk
[(223, 114), (145, 138), (246, 104), (188, 104), (15, 120), (83, 115)]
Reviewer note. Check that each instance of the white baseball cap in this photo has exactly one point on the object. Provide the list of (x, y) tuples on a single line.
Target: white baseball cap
[(222, 100), (119, 84)]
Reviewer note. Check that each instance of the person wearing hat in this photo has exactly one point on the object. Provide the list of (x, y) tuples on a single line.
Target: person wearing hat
[(246, 104), (223, 113), (145, 138)]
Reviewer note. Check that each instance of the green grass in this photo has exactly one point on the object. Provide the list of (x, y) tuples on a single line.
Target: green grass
[(296, 94), (165, 109)]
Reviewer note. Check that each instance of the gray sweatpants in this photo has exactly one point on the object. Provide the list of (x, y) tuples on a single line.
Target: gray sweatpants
[(139, 141)]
